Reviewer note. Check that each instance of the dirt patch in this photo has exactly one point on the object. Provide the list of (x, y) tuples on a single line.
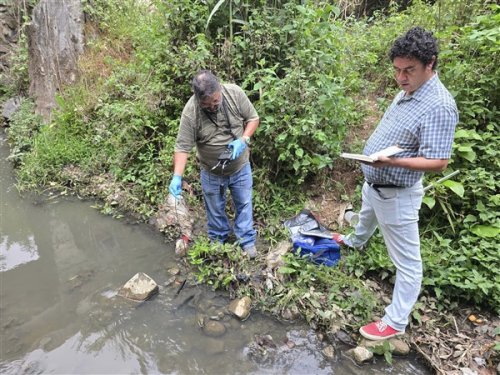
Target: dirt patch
[(335, 190)]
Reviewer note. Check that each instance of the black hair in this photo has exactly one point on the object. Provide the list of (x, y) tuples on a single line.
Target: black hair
[(416, 43), (205, 84)]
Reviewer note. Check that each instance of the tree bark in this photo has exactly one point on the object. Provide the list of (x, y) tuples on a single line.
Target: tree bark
[(55, 42)]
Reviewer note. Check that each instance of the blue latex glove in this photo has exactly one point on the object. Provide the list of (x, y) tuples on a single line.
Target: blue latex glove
[(238, 146), (175, 187)]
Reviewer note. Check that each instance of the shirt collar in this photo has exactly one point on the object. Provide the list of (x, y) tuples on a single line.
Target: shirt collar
[(422, 91)]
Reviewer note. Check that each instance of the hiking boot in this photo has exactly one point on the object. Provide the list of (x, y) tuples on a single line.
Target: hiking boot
[(341, 239), (251, 251), (379, 331), (344, 241)]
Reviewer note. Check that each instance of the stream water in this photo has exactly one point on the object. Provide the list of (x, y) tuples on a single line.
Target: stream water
[(61, 263)]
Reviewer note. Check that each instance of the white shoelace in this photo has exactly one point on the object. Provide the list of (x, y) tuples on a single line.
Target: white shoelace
[(381, 326)]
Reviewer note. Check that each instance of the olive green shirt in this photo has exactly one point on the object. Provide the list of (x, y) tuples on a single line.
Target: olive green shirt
[(211, 137)]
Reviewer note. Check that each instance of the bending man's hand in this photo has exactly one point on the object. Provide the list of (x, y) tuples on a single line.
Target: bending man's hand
[(238, 146), (175, 187)]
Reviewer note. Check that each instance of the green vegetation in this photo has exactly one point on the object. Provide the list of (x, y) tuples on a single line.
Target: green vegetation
[(310, 73)]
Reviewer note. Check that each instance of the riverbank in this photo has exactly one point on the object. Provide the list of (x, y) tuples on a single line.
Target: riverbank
[(311, 76), (450, 341)]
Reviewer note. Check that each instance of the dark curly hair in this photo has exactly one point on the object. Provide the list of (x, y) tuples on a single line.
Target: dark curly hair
[(417, 43)]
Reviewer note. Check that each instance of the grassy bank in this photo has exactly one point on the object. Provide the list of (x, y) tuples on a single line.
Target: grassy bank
[(313, 77)]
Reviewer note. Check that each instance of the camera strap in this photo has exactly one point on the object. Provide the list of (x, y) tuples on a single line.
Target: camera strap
[(228, 125)]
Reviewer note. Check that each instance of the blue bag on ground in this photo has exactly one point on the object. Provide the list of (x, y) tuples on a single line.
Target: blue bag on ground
[(313, 239), (318, 250)]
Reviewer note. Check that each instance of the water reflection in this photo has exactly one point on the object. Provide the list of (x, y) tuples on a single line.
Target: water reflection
[(13, 254), (61, 265)]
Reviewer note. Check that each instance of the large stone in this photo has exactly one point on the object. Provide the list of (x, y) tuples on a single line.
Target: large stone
[(400, 347), (291, 313), (10, 107), (360, 354), (241, 307), (139, 288), (396, 346), (329, 352), (214, 329)]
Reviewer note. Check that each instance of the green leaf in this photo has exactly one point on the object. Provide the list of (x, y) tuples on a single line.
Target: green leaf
[(286, 270), (468, 134), (214, 10), (456, 187), (485, 231), (417, 317), (468, 155), (388, 357), (429, 201)]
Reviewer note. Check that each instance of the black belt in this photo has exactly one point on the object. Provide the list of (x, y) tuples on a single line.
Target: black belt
[(379, 186)]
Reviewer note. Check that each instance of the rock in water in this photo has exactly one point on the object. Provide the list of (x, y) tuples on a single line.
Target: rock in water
[(241, 307), (139, 288), (360, 354), (214, 329)]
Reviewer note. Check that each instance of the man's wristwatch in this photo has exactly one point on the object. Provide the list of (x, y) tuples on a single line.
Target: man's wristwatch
[(246, 138)]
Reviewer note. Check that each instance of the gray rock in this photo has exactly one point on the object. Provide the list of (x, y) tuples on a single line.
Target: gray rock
[(329, 352), (139, 288), (10, 107), (396, 346), (360, 354), (174, 271), (241, 307), (400, 347), (291, 313), (345, 338), (214, 329)]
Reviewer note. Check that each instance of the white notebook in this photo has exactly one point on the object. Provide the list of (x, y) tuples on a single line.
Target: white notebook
[(389, 151)]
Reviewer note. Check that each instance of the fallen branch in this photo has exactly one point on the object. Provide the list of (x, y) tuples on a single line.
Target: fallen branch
[(428, 359), (456, 326)]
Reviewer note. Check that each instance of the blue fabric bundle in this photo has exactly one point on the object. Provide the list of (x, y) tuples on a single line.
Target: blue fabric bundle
[(319, 250)]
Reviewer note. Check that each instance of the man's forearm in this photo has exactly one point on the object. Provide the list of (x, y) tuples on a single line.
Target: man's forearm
[(417, 164), (180, 161), (250, 127)]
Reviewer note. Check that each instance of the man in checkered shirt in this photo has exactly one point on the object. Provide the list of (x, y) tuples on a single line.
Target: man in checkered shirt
[(421, 120)]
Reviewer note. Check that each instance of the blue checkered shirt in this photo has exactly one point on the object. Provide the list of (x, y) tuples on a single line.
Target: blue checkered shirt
[(423, 124)]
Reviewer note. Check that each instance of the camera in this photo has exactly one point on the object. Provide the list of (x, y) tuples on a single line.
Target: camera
[(224, 158), (226, 155)]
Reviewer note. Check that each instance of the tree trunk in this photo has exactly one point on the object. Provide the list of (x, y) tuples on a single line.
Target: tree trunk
[(55, 41)]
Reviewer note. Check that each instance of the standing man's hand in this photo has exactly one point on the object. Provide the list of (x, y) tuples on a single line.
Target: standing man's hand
[(175, 187), (238, 146)]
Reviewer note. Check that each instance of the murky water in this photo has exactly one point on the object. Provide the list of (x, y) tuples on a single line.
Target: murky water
[(61, 263)]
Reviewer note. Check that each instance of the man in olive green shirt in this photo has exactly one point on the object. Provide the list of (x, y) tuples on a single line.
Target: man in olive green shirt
[(217, 117)]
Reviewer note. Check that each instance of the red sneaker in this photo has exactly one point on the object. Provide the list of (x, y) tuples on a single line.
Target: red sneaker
[(339, 238), (379, 331)]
